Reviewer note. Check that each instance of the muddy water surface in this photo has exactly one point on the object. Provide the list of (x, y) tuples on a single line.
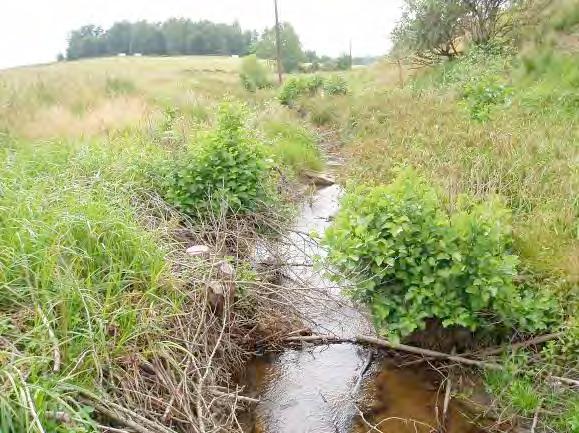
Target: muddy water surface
[(336, 388)]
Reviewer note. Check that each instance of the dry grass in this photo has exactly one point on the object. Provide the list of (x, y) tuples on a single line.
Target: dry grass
[(93, 97)]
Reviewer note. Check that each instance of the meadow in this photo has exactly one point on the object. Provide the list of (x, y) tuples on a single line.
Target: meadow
[(95, 282)]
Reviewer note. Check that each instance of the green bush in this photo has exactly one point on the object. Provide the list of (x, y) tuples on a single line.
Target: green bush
[(254, 74), (228, 169), (295, 87), (412, 261), (481, 95), (335, 85)]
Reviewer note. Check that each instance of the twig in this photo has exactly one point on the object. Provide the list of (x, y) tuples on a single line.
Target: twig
[(566, 380), (236, 396), (536, 418), (498, 350), (124, 421)]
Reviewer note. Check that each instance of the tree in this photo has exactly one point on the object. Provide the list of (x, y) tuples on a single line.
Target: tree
[(176, 36), (88, 41), (487, 19), (429, 28), (291, 47), (119, 38)]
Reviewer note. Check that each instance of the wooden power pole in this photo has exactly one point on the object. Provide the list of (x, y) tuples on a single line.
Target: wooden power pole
[(350, 53), (278, 44)]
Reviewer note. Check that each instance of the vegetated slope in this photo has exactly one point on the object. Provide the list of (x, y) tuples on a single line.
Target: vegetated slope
[(110, 170), (497, 122)]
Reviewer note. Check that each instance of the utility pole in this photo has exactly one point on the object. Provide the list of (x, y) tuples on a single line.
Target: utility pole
[(350, 53), (278, 44)]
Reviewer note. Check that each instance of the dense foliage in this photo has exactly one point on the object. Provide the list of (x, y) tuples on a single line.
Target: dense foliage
[(309, 85), (412, 260), (433, 29), (227, 172), (481, 95), (176, 36)]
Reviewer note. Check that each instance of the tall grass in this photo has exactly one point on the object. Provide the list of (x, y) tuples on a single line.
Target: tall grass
[(80, 276)]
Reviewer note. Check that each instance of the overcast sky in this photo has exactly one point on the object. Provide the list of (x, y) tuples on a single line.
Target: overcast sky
[(35, 31)]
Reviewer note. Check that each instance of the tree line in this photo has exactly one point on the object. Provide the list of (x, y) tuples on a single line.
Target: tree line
[(181, 36), (176, 36)]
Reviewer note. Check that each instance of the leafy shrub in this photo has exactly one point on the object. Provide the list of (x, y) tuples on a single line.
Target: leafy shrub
[(481, 95), (335, 85), (254, 74), (413, 261), (296, 87), (229, 168)]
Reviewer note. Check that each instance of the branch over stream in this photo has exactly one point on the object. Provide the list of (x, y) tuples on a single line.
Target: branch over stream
[(378, 342)]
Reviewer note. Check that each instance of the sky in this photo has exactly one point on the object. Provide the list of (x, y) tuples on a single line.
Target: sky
[(35, 31)]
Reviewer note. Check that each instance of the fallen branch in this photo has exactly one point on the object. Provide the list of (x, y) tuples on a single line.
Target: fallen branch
[(431, 354), (498, 350), (426, 352), (531, 342)]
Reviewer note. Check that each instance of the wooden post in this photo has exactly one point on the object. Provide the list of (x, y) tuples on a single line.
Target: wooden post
[(278, 44), (350, 54)]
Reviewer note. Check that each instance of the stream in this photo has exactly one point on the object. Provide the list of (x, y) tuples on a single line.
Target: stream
[(339, 388)]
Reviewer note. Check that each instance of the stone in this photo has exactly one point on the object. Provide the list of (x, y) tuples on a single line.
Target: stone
[(319, 179), (198, 251)]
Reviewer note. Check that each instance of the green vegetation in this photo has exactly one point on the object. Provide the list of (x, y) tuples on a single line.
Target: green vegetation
[(227, 172), (96, 291), (254, 74), (414, 261), (309, 85), (294, 145), (491, 141)]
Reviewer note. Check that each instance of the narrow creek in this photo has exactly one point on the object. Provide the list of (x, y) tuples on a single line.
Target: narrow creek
[(335, 388)]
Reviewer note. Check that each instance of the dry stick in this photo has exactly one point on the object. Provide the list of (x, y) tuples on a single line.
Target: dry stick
[(364, 339), (499, 350), (236, 396), (425, 352), (94, 399), (447, 398), (125, 421), (566, 380), (536, 418)]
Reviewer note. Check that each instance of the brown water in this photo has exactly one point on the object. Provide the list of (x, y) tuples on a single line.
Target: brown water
[(333, 388)]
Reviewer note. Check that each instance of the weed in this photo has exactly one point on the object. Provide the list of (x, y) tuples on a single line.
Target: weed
[(294, 146)]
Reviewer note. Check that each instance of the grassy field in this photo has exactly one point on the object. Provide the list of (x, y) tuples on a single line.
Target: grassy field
[(98, 298), (95, 285)]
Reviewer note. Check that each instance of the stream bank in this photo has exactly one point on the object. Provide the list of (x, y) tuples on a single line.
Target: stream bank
[(338, 388)]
